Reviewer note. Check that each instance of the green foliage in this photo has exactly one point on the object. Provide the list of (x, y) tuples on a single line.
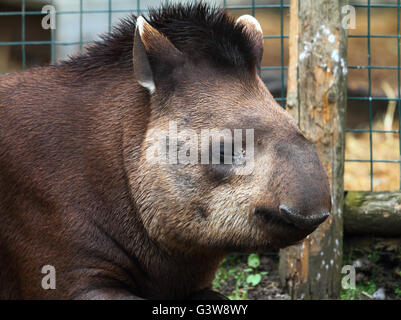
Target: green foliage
[(253, 260), (227, 269), (231, 270), (379, 259), (255, 276), (397, 289), (374, 256), (254, 279), (362, 290), (241, 287)]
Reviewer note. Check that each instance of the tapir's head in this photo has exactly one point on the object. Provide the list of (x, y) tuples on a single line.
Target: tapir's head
[(223, 166)]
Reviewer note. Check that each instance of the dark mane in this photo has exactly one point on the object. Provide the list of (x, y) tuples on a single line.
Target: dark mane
[(198, 30)]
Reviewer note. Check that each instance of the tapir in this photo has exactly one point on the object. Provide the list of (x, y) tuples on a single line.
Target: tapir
[(91, 207)]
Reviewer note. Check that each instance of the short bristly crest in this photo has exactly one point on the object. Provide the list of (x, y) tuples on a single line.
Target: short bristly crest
[(198, 31)]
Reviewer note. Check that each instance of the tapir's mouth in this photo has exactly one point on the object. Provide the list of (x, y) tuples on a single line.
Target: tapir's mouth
[(273, 218), (284, 229)]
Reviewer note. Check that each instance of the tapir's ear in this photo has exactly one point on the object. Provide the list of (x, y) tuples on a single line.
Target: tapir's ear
[(154, 56), (254, 32)]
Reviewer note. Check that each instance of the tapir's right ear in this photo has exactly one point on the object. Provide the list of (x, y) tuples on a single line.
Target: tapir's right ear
[(155, 57), (253, 30)]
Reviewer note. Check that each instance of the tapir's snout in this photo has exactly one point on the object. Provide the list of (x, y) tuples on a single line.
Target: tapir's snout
[(302, 221), (302, 194), (307, 200)]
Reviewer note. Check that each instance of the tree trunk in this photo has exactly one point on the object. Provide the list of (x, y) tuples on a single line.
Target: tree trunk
[(316, 98), (373, 213)]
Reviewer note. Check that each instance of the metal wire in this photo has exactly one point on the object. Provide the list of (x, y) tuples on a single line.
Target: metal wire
[(399, 80), (369, 98)]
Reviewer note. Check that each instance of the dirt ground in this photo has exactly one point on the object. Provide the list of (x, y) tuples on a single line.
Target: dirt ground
[(378, 276), (268, 289)]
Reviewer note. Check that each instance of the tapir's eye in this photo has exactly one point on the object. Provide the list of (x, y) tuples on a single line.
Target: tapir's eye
[(223, 154), (224, 159), (226, 153)]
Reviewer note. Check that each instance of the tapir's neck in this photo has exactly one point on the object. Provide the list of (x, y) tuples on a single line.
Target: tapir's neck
[(176, 276), (168, 274)]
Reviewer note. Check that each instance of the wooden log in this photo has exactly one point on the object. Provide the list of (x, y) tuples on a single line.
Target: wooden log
[(373, 213), (316, 97)]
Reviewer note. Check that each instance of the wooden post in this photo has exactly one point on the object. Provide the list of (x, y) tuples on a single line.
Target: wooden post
[(316, 97)]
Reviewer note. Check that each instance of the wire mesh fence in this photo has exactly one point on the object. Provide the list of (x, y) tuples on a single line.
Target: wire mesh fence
[(381, 141), (373, 146)]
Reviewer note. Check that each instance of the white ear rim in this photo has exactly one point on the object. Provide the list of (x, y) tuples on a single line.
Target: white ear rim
[(247, 20), (140, 21), (149, 85)]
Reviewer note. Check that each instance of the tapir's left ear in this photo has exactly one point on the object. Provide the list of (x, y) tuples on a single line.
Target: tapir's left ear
[(155, 57), (254, 32)]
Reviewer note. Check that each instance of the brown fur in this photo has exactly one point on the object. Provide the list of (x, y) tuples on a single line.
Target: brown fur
[(77, 192)]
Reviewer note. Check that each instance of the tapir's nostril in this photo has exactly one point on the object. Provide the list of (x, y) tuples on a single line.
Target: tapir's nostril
[(300, 221)]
